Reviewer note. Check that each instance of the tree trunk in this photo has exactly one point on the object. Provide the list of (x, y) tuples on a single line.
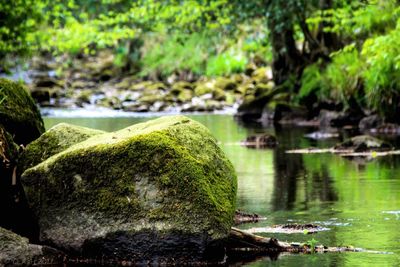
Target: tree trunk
[(287, 59)]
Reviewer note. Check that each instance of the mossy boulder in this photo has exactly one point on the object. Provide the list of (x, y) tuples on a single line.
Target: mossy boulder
[(262, 75), (219, 94), (263, 88), (157, 189), (225, 84), (157, 86), (185, 96), (202, 89), (364, 143), (181, 85), (253, 107), (53, 141), (150, 99), (15, 250), (18, 112)]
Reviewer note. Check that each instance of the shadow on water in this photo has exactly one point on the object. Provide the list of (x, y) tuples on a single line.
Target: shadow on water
[(289, 171)]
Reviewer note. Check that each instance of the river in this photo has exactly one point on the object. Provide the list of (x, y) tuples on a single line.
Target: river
[(358, 201)]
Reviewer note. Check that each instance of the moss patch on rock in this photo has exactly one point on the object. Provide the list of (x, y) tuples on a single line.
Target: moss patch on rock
[(166, 175), (18, 112), (54, 141)]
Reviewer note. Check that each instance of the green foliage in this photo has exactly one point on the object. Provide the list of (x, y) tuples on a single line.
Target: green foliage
[(343, 75), (204, 52), (382, 74), (166, 54), (226, 63), (17, 19), (312, 82), (357, 19), (312, 243), (339, 81)]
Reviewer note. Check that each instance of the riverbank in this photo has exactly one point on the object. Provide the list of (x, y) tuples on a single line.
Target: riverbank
[(96, 82)]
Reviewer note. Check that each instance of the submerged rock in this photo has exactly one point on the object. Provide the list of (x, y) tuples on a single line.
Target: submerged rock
[(15, 250), (322, 135), (18, 112), (157, 189), (260, 141), (246, 217), (370, 122), (363, 143)]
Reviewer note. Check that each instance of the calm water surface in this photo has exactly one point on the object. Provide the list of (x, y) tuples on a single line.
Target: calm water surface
[(358, 201)]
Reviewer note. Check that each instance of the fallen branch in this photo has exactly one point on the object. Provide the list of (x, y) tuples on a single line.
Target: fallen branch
[(344, 152), (240, 240)]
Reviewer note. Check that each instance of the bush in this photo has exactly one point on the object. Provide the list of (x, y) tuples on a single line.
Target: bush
[(339, 81), (312, 83), (344, 76), (166, 54), (226, 63), (382, 73)]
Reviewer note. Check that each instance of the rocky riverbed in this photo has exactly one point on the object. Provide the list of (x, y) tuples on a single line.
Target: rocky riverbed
[(96, 81)]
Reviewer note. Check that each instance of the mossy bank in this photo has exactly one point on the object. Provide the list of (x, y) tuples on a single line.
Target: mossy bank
[(18, 112), (163, 185)]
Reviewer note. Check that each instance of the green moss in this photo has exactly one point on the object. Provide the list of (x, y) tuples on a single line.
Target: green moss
[(170, 168), (152, 87), (262, 75), (84, 96), (18, 112), (185, 96), (202, 89), (54, 141), (180, 86), (219, 94), (150, 98), (225, 84)]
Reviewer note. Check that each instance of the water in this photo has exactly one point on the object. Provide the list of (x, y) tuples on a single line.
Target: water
[(358, 201)]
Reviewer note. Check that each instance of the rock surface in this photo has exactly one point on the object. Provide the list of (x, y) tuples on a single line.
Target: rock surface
[(18, 112), (157, 189), (16, 251), (54, 141)]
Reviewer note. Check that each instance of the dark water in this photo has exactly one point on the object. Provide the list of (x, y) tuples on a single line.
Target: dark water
[(358, 201)]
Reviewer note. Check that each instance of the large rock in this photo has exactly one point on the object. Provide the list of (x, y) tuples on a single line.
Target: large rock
[(253, 108), (158, 189), (18, 112), (16, 251)]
